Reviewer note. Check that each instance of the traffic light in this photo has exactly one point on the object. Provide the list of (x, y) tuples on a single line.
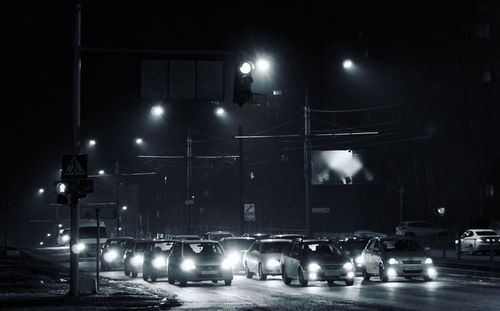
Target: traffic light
[(242, 83)]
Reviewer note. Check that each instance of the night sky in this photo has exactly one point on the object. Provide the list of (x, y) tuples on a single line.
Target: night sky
[(421, 58)]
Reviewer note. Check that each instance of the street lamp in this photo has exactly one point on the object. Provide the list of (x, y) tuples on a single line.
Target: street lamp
[(59, 225), (220, 112), (124, 207), (157, 111), (48, 235), (92, 143), (41, 191), (347, 64), (101, 172), (139, 141)]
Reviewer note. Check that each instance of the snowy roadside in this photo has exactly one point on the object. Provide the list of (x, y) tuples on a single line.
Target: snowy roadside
[(27, 282)]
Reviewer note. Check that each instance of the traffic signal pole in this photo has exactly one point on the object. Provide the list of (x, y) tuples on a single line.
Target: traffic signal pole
[(307, 160), (189, 175), (241, 181), (74, 289)]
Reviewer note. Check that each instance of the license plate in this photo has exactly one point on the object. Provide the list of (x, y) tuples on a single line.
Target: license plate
[(412, 268), (332, 273), (209, 272)]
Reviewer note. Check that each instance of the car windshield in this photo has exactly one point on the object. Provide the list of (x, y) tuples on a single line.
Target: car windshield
[(319, 249), (274, 247), (486, 232), (354, 245), (237, 244), (141, 246), (405, 245), (163, 246), (187, 237), (202, 249), (91, 232)]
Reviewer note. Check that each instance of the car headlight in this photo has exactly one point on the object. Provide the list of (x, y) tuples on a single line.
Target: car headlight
[(78, 248), (234, 258), (428, 261), (348, 266), (227, 264), (313, 267), (392, 261), (456, 241), (187, 265), (110, 255), (359, 260), (272, 263), (65, 238), (159, 262), (137, 260)]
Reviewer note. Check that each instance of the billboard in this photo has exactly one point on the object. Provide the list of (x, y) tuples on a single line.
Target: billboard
[(340, 167)]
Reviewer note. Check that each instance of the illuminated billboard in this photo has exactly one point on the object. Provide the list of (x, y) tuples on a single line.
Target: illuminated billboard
[(340, 167)]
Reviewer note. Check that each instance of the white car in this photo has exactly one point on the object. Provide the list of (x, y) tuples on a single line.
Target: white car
[(263, 257), (420, 229), (478, 241)]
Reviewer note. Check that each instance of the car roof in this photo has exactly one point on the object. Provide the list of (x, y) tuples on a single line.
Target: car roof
[(487, 229), (237, 238), (218, 232), (198, 241), (394, 237), (164, 240), (315, 241), (273, 240)]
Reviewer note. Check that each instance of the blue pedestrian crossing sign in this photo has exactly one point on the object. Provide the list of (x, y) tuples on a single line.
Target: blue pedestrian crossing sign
[(74, 166)]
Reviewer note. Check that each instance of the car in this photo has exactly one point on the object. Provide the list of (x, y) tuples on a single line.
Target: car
[(397, 256), (112, 252), (63, 237), (495, 226), (353, 247), (257, 236), (196, 261), (236, 247), (288, 236), (478, 241), (263, 257), (88, 238), (190, 237), (368, 234), (420, 229), (315, 260), (134, 257), (155, 259), (217, 235)]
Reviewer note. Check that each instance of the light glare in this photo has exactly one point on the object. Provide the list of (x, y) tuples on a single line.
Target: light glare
[(245, 68), (263, 65)]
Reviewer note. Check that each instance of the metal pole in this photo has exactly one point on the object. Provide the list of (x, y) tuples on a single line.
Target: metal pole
[(97, 247), (307, 159), (189, 176), (401, 202), (241, 181), (117, 196), (74, 290)]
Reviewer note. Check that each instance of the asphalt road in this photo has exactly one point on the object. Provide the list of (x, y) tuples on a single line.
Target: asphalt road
[(448, 292)]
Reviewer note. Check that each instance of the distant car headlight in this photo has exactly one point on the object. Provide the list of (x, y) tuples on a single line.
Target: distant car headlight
[(359, 260), (65, 238), (392, 261), (272, 263), (428, 261), (432, 273), (313, 267), (159, 262), (137, 260), (456, 241), (348, 266), (110, 255), (187, 265), (78, 248)]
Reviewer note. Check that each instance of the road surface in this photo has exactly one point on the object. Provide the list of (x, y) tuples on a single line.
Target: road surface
[(446, 293)]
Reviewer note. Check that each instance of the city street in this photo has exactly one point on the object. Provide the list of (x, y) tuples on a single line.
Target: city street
[(446, 293)]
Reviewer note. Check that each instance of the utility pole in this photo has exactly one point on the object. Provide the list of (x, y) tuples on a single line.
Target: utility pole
[(98, 219), (117, 197), (189, 158), (241, 181), (307, 159), (74, 289)]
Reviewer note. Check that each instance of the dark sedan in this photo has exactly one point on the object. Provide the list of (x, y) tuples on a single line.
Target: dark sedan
[(112, 252), (155, 259), (196, 261)]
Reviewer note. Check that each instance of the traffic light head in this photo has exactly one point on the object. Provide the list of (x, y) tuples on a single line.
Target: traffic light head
[(243, 83)]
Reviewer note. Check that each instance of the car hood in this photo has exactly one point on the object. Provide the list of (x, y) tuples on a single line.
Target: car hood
[(406, 255), (326, 259), (207, 260)]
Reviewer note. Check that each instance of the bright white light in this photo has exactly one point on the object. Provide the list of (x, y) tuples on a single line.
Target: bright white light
[(187, 265), (157, 111), (428, 261), (441, 210), (313, 267), (347, 64), (432, 273), (227, 264), (139, 141), (359, 260), (92, 143), (41, 191), (245, 68), (263, 65), (137, 260), (350, 275), (313, 276), (78, 248), (61, 188), (159, 262), (119, 228), (110, 256), (59, 225), (41, 243), (48, 235), (348, 266), (101, 172), (392, 261), (272, 263), (234, 258), (124, 207), (65, 238), (219, 111), (391, 273)]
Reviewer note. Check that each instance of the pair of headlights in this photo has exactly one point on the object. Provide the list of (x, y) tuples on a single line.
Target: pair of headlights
[(393, 261), (314, 267), (189, 265)]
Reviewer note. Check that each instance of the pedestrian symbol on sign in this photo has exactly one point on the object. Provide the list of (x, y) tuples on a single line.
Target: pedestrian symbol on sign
[(74, 166)]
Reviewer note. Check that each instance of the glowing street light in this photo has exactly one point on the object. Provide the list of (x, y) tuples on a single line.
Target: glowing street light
[(92, 143), (48, 235), (347, 64), (41, 243), (219, 111), (41, 191), (157, 111), (139, 141), (263, 65), (101, 172), (59, 225), (124, 207)]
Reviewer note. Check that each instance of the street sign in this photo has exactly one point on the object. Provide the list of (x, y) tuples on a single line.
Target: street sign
[(74, 166), (249, 209), (321, 210)]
